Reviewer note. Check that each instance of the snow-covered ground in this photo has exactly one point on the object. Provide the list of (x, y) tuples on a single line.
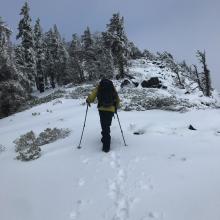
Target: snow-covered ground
[(168, 172)]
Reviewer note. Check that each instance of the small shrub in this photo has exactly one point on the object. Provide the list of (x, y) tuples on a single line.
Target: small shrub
[(37, 101), (50, 135), (27, 147), (36, 113)]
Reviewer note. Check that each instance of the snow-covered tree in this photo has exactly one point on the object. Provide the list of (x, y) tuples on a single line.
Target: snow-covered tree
[(27, 58), (12, 94), (104, 58), (75, 71), (40, 56), (56, 56), (133, 51), (89, 56), (116, 39), (87, 39), (149, 55)]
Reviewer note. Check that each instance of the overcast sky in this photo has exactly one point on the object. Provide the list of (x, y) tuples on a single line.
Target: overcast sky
[(178, 26)]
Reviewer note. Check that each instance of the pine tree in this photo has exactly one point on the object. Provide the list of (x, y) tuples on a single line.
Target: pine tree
[(56, 56), (105, 62), (87, 39), (116, 39), (12, 94), (40, 56), (75, 71), (27, 60), (89, 56), (61, 55), (50, 65)]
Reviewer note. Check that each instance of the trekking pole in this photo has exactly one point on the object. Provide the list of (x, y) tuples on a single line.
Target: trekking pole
[(121, 129), (79, 146)]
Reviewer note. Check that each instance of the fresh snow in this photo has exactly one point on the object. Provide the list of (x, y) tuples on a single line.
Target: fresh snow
[(167, 172)]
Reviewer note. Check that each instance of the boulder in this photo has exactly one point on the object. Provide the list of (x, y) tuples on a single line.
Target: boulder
[(153, 82), (191, 128), (125, 83)]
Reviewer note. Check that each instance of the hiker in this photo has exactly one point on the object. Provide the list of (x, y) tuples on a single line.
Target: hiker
[(108, 102)]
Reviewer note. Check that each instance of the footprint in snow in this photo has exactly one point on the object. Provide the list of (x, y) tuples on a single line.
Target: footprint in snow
[(217, 133), (76, 213), (81, 182), (183, 159), (144, 185), (152, 215), (171, 156)]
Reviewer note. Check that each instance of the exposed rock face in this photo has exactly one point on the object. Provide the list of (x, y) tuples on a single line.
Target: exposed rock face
[(153, 82)]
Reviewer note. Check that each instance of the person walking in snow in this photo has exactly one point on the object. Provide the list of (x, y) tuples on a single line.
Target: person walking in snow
[(108, 102)]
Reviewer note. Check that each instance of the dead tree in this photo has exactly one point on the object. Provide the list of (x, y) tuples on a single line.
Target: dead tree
[(206, 79), (197, 77)]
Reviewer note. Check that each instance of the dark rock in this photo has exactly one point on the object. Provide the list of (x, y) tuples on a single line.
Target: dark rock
[(153, 82), (161, 66), (136, 84), (140, 132), (187, 92), (191, 128), (118, 76), (125, 83), (164, 87)]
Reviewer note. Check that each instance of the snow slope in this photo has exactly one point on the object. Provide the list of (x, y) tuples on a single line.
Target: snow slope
[(169, 172)]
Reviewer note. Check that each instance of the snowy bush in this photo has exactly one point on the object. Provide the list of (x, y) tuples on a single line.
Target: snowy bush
[(27, 147), (81, 92), (50, 135), (146, 99), (37, 101), (12, 97), (57, 102)]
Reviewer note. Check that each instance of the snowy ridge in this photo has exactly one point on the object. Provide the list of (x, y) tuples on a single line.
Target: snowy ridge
[(176, 98)]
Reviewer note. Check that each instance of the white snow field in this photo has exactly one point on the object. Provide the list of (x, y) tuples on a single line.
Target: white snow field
[(168, 172)]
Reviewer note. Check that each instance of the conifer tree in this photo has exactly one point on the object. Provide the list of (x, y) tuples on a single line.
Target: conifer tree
[(56, 56), (12, 94), (27, 63), (89, 56), (50, 66), (75, 70), (40, 56), (87, 39), (105, 62), (116, 39)]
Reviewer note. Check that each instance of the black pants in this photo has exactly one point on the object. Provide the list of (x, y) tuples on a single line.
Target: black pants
[(106, 120)]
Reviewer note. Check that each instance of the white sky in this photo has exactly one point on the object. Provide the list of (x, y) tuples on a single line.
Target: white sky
[(178, 26)]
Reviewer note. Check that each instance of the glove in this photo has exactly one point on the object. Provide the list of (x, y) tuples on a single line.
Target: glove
[(88, 103)]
